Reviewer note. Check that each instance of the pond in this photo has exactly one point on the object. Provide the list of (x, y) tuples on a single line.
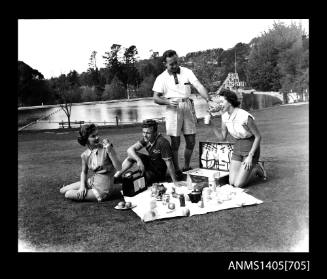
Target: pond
[(129, 111)]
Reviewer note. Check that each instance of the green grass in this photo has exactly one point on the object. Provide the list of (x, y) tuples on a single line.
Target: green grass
[(48, 222)]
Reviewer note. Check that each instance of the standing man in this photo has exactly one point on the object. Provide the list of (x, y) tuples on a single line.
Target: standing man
[(173, 89)]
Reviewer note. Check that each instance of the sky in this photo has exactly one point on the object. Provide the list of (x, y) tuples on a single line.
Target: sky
[(57, 46)]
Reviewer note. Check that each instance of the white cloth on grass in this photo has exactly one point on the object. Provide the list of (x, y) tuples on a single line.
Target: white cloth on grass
[(228, 196)]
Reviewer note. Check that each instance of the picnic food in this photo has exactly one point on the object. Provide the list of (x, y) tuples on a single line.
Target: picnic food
[(185, 211), (153, 204), (148, 216), (171, 205), (121, 204), (161, 189)]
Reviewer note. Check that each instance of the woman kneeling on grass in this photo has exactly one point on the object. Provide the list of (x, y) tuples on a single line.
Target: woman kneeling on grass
[(102, 159), (241, 126)]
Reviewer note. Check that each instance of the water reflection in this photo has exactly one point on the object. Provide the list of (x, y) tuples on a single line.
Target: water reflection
[(127, 112), (118, 113), (133, 115)]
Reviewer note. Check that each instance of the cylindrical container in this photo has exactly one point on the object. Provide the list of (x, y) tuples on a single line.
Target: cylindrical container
[(154, 190), (212, 184), (182, 200), (206, 194), (200, 203), (217, 177), (195, 196), (207, 119), (189, 182)]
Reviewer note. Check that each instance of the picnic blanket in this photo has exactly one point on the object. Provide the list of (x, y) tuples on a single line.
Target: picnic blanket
[(224, 197)]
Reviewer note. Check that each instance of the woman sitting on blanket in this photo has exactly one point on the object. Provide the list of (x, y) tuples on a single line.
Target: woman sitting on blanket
[(101, 158), (241, 126)]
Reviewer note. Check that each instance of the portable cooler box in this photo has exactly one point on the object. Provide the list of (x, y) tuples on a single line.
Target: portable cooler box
[(133, 183)]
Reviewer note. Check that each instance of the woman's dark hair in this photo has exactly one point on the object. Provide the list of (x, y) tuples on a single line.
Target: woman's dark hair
[(230, 96), (84, 133), (168, 53)]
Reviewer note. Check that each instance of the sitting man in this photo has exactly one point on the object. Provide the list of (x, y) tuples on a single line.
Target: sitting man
[(154, 166)]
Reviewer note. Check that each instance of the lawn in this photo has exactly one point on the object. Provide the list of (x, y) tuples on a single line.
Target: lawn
[(48, 222)]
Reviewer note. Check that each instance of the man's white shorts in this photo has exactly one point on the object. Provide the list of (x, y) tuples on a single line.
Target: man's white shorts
[(181, 119)]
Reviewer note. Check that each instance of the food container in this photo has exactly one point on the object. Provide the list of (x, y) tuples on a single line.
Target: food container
[(195, 196), (161, 189)]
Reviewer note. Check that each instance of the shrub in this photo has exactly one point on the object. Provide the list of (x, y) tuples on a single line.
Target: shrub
[(114, 90)]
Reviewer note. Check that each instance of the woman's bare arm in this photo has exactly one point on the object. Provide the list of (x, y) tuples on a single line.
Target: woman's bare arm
[(114, 159), (84, 174), (257, 137)]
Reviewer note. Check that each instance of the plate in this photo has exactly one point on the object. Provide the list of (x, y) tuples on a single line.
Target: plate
[(124, 208)]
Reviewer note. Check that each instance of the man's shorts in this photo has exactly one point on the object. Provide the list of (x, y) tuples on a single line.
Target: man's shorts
[(155, 170), (242, 148), (181, 119)]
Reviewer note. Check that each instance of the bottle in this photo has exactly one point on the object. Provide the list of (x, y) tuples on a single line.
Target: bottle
[(189, 182), (212, 183), (182, 200), (201, 204), (206, 195), (217, 177)]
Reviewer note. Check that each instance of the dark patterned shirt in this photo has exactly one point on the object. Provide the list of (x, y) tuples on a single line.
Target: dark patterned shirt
[(159, 149)]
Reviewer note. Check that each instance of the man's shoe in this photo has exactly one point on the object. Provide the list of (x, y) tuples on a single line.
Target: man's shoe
[(186, 169), (118, 180)]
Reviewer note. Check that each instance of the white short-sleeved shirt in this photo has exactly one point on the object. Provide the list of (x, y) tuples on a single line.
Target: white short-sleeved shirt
[(165, 83), (236, 123)]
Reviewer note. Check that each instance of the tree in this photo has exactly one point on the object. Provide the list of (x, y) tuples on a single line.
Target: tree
[(112, 63), (213, 65), (93, 78), (63, 91), (275, 59), (73, 79), (88, 94), (32, 88), (93, 61), (68, 90), (145, 89), (131, 76), (115, 90)]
